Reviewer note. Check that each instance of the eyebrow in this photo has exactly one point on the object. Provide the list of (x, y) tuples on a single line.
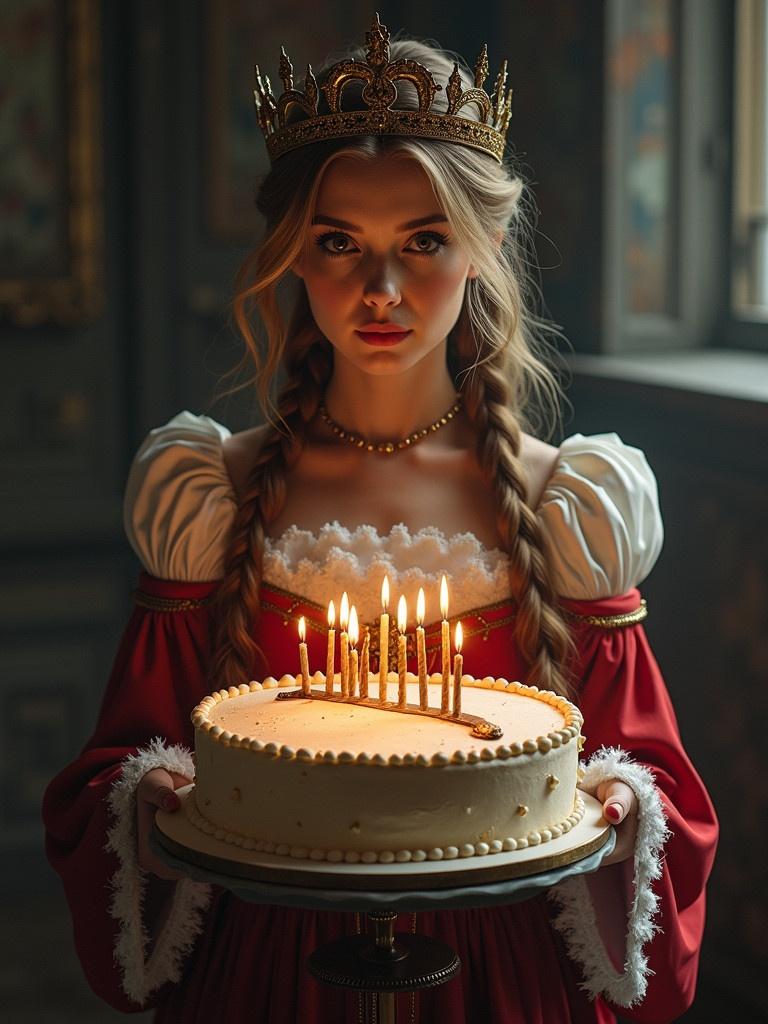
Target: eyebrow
[(335, 222)]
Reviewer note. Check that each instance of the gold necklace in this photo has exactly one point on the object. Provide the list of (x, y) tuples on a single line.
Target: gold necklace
[(388, 447)]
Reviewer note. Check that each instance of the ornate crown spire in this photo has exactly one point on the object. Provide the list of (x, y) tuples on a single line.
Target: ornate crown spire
[(379, 74)]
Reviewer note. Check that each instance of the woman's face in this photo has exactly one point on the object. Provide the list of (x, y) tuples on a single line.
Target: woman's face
[(366, 262)]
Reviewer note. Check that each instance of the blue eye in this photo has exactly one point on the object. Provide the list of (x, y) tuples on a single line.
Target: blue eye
[(436, 236)]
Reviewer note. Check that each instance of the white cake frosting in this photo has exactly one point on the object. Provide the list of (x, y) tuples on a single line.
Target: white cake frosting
[(328, 780)]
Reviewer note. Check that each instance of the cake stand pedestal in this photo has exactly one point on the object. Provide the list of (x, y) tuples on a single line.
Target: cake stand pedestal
[(383, 962)]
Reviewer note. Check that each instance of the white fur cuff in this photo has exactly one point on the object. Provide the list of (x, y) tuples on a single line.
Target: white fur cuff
[(141, 975), (576, 919)]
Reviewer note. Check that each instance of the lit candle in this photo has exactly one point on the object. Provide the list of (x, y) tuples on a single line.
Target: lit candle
[(446, 648), (384, 641), (364, 663), (344, 643), (402, 664), (330, 663), (421, 651), (354, 633), (458, 669), (303, 658)]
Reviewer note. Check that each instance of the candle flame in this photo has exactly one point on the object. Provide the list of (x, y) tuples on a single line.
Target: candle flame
[(444, 597), (385, 594), (354, 629), (459, 637), (420, 607), (302, 629), (402, 614), (344, 611), (331, 615)]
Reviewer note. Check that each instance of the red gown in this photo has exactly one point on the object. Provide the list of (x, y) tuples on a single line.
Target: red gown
[(248, 962)]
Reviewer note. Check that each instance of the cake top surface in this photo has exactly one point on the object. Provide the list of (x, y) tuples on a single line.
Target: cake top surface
[(529, 720)]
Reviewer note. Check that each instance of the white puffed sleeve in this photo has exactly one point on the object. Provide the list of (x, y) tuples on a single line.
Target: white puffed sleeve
[(600, 517), (179, 501)]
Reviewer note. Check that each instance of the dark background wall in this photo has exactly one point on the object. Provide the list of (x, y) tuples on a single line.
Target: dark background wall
[(78, 400)]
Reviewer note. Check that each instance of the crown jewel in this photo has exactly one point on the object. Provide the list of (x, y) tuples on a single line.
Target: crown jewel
[(379, 74)]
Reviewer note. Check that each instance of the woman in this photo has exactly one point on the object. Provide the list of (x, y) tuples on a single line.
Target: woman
[(375, 235)]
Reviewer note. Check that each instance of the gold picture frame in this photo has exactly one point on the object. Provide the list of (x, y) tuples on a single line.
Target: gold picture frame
[(52, 248)]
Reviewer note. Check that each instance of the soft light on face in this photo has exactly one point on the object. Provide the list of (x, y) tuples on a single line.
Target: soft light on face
[(378, 266)]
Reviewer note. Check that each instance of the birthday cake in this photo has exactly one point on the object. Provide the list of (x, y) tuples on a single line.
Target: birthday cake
[(307, 773)]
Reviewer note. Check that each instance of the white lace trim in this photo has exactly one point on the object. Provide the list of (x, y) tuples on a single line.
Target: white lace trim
[(576, 919), (142, 975), (321, 566)]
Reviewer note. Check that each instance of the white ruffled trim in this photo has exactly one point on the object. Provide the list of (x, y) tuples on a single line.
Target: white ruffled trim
[(576, 919), (323, 565), (141, 976)]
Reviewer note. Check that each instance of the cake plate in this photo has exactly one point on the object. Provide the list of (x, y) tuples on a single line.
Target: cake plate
[(382, 963)]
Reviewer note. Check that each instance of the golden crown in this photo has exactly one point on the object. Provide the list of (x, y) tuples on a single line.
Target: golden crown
[(378, 73)]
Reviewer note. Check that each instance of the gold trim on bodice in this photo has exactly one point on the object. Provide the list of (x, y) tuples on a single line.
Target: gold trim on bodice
[(168, 604), (476, 621), (611, 621)]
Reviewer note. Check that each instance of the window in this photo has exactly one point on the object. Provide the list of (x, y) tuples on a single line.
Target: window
[(686, 175), (749, 277)]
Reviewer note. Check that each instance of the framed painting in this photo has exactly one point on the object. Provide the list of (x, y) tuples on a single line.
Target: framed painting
[(238, 35), (51, 227)]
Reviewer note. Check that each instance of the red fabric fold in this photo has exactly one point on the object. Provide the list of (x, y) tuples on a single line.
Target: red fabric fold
[(249, 962), (618, 605), (626, 704)]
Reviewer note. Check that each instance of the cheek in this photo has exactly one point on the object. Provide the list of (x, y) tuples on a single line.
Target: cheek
[(452, 284), (326, 282), (328, 295), (445, 292)]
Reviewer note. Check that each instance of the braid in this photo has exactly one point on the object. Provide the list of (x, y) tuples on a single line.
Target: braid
[(237, 601), (542, 635)]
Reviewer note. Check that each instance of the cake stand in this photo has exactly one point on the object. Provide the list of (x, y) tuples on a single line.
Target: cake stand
[(382, 963)]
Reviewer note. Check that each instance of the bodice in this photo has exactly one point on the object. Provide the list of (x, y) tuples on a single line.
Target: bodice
[(599, 518)]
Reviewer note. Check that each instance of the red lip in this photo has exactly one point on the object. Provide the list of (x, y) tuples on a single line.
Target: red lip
[(383, 338), (383, 326)]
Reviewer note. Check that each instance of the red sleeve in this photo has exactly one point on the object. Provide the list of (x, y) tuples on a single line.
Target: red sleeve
[(626, 704), (157, 677)]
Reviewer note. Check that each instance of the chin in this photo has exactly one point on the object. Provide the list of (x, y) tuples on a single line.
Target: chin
[(382, 367), (365, 358)]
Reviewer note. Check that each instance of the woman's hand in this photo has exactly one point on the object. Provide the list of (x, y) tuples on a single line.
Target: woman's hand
[(156, 789), (620, 810)]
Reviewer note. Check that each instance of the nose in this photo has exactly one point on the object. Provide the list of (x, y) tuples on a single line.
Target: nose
[(381, 287)]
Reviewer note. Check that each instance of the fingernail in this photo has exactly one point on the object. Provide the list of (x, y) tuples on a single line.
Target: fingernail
[(170, 802), (613, 811)]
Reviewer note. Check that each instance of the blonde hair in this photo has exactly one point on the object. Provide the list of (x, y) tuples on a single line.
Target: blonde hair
[(496, 356)]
